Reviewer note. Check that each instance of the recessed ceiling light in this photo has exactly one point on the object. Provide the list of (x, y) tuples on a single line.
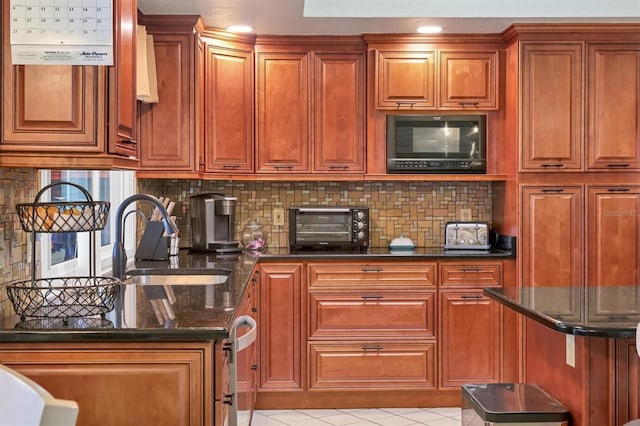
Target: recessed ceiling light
[(429, 29), (239, 28)]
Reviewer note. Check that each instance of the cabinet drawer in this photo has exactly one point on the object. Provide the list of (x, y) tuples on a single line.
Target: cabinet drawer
[(471, 274), (375, 314), (372, 275), (370, 365)]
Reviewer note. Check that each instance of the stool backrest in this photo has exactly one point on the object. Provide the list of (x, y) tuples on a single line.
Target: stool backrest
[(25, 403)]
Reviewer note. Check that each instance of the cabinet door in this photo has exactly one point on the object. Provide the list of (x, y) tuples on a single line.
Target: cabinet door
[(614, 236), (166, 128), (468, 80), (283, 135), (405, 80), (551, 253), (613, 135), (470, 338), (339, 103), (31, 123), (229, 110), (627, 380), (281, 327), (109, 380), (122, 81), (551, 106)]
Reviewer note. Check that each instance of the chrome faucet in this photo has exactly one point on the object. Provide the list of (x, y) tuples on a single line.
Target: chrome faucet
[(119, 257)]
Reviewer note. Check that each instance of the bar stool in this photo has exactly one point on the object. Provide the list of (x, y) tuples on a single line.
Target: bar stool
[(25, 403)]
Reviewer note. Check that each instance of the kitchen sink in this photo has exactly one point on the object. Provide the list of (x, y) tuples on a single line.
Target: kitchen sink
[(176, 277)]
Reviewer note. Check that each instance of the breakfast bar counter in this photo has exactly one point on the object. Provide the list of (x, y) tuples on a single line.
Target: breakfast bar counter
[(578, 344)]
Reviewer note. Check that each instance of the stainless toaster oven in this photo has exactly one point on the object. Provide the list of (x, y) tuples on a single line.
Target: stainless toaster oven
[(342, 228)]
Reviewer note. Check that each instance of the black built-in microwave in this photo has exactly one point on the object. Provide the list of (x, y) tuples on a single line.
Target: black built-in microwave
[(436, 143)]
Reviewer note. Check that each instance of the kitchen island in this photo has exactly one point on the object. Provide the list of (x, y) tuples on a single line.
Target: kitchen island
[(158, 358), (579, 345)]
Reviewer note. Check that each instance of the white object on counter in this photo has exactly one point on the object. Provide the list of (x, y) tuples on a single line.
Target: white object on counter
[(402, 243)]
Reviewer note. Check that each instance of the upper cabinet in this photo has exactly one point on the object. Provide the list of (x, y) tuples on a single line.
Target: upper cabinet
[(310, 107), (580, 106), (228, 108), (436, 73), (57, 115), (167, 128), (613, 106), (552, 99), (468, 80), (122, 81), (405, 80)]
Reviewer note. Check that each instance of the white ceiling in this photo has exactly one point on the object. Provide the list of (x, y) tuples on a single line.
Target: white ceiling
[(339, 17)]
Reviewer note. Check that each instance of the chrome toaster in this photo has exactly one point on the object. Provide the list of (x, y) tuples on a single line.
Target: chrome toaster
[(467, 236)]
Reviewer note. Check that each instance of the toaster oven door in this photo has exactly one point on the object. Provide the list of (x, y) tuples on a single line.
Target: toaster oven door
[(322, 227)]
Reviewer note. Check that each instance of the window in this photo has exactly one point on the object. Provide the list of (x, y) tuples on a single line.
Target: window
[(68, 254)]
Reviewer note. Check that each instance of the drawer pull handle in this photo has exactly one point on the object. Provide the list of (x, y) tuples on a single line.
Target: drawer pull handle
[(283, 166), (471, 269), (337, 167), (553, 190), (372, 348), (227, 399), (618, 165), (619, 190), (231, 166), (466, 104), (372, 269), (556, 165), (471, 297), (376, 297), (405, 103)]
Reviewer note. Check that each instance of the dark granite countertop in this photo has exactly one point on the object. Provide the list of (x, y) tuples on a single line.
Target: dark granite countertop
[(202, 312), (611, 311)]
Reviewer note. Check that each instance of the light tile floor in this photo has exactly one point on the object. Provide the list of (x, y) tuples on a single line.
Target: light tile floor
[(359, 417)]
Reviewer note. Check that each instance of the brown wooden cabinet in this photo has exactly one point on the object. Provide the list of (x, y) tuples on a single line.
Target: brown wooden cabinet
[(339, 116), (228, 140), (281, 327), (159, 384), (468, 80), (405, 80), (552, 243), (613, 135), (627, 380), (363, 315), (470, 338), (552, 106), (613, 235), (282, 112), (122, 81), (68, 116), (167, 128), (310, 100)]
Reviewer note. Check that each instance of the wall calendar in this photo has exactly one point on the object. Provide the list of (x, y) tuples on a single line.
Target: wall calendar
[(69, 32)]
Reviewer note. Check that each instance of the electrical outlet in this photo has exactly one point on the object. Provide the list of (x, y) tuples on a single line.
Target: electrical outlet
[(570, 349), (278, 217), (465, 215)]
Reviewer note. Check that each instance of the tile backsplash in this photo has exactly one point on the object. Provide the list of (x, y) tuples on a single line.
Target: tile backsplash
[(419, 210), (16, 186)]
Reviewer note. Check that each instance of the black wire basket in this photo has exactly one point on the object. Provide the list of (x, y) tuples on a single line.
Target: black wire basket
[(77, 216), (66, 297)]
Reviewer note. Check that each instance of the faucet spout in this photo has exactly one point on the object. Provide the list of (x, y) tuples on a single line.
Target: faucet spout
[(119, 257)]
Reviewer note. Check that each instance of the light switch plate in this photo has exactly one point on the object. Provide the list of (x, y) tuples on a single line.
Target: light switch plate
[(570, 349)]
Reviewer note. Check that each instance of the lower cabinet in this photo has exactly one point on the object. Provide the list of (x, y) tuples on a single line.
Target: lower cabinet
[(344, 333), (281, 327), (114, 384), (470, 338)]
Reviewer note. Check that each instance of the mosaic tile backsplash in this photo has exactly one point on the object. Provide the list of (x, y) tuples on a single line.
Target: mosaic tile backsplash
[(16, 186), (419, 210)]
